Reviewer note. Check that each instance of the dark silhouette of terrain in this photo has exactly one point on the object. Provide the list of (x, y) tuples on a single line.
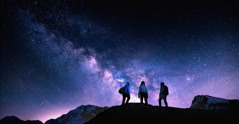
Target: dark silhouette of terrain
[(136, 113), (204, 109), (207, 102), (16, 120)]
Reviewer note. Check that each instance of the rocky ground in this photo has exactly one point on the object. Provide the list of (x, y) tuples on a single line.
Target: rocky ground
[(136, 113)]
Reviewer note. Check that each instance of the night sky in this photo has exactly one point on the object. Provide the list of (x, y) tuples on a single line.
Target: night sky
[(58, 55)]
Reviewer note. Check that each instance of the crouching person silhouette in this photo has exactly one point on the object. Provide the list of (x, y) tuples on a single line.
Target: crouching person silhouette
[(143, 93), (125, 93), (163, 94)]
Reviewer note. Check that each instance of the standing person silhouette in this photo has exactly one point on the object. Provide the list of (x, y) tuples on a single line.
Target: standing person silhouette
[(143, 93), (126, 93), (163, 94)]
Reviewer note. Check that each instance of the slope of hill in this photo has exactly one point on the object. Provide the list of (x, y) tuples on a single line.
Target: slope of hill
[(78, 116), (147, 114), (16, 120)]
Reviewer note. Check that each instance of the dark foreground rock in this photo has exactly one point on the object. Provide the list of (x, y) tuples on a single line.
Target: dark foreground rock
[(135, 113), (15, 120), (207, 102)]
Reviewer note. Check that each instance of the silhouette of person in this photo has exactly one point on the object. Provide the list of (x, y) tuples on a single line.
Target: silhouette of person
[(143, 93), (126, 94), (163, 94)]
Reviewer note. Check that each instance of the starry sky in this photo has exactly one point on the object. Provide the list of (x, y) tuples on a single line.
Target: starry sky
[(58, 55)]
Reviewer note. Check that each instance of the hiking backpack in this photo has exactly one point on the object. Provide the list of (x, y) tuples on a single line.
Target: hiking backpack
[(166, 90), (121, 90)]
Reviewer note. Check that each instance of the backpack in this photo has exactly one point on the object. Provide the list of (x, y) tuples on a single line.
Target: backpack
[(166, 90), (121, 90)]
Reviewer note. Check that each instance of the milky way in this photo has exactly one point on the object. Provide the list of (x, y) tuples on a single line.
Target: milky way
[(56, 56)]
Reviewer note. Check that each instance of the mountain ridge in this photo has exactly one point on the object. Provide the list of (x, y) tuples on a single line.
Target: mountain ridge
[(80, 115), (204, 109), (143, 114), (16, 120)]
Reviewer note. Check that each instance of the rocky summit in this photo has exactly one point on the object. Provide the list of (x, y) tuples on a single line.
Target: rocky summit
[(136, 113)]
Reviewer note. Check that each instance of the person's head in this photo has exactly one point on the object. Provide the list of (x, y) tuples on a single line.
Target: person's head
[(142, 83), (162, 83), (127, 83)]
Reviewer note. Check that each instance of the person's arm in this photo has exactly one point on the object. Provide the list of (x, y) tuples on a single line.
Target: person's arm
[(128, 90), (125, 89)]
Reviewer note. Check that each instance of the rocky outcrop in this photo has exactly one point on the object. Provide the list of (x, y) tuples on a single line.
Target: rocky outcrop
[(209, 103)]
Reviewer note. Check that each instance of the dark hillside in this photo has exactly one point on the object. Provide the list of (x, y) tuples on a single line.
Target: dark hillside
[(135, 113)]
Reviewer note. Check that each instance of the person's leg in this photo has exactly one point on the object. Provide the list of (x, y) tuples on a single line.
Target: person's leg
[(165, 102), (146, 100), (141, 98), (128, 98), (160, 101), (123, 99)]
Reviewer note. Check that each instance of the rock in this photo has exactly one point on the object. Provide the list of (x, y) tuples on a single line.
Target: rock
[(209, 103)]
